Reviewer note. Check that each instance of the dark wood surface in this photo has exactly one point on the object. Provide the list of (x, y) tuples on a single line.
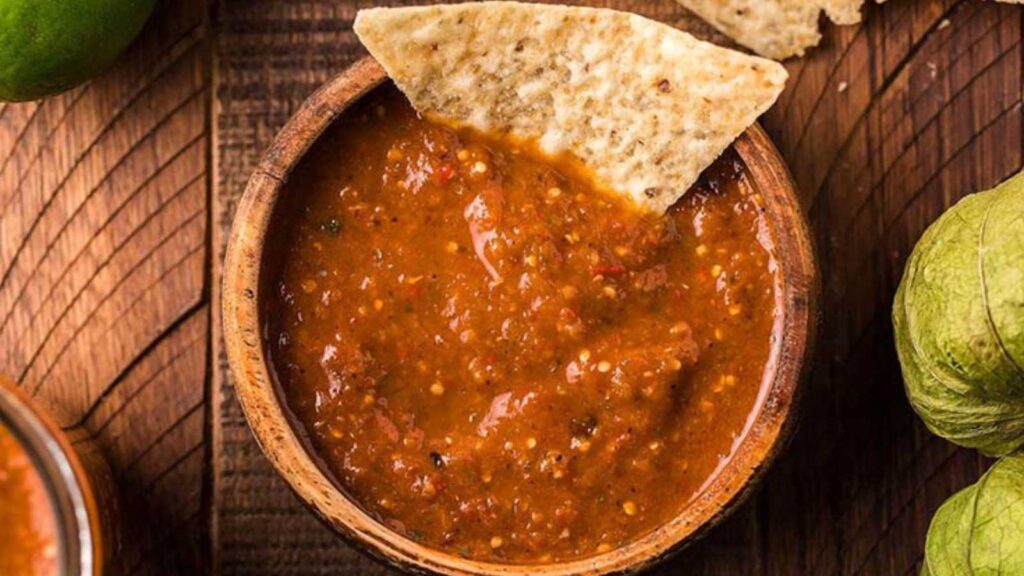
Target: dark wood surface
[(115, 201)]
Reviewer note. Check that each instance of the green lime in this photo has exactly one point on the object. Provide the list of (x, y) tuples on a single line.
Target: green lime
[(48, 46)]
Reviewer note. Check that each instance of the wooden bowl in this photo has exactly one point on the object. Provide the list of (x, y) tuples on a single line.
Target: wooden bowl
[(271, 423), (78, 481)]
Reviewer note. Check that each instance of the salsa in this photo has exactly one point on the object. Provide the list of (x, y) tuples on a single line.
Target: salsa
[(496, 359), (28, 541)]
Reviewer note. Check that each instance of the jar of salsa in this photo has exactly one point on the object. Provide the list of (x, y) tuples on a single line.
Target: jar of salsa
[(55, 499)]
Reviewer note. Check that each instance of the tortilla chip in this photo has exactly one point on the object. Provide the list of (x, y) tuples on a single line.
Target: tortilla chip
[(774, 28), (842, 12), (644, 106)]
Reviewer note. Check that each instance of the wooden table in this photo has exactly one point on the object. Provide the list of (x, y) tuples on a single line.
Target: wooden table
[(116, 200)]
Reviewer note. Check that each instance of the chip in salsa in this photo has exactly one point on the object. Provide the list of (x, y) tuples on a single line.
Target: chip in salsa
[(645, 106), (496, 358)]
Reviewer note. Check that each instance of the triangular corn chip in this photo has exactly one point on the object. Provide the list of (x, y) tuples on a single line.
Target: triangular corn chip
[(774, 28), (644, 106)]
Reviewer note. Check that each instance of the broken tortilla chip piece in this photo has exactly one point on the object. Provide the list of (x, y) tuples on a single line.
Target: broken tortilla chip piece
[(643, 106), (842, 12), (774, 28)]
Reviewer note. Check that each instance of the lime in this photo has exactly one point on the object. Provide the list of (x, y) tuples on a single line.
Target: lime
[(48, 46)]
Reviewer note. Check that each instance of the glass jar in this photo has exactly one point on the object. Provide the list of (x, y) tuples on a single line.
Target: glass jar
[(75, 477)]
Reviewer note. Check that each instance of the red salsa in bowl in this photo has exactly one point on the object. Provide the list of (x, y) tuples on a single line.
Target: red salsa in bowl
[(497, 360)]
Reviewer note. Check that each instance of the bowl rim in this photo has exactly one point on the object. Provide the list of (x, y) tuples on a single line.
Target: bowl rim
[(69, 490), (271, 423)]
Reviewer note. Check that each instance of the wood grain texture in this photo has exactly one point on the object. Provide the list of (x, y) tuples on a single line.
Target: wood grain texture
[(930, 113), (103, 265), (108, 263)]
